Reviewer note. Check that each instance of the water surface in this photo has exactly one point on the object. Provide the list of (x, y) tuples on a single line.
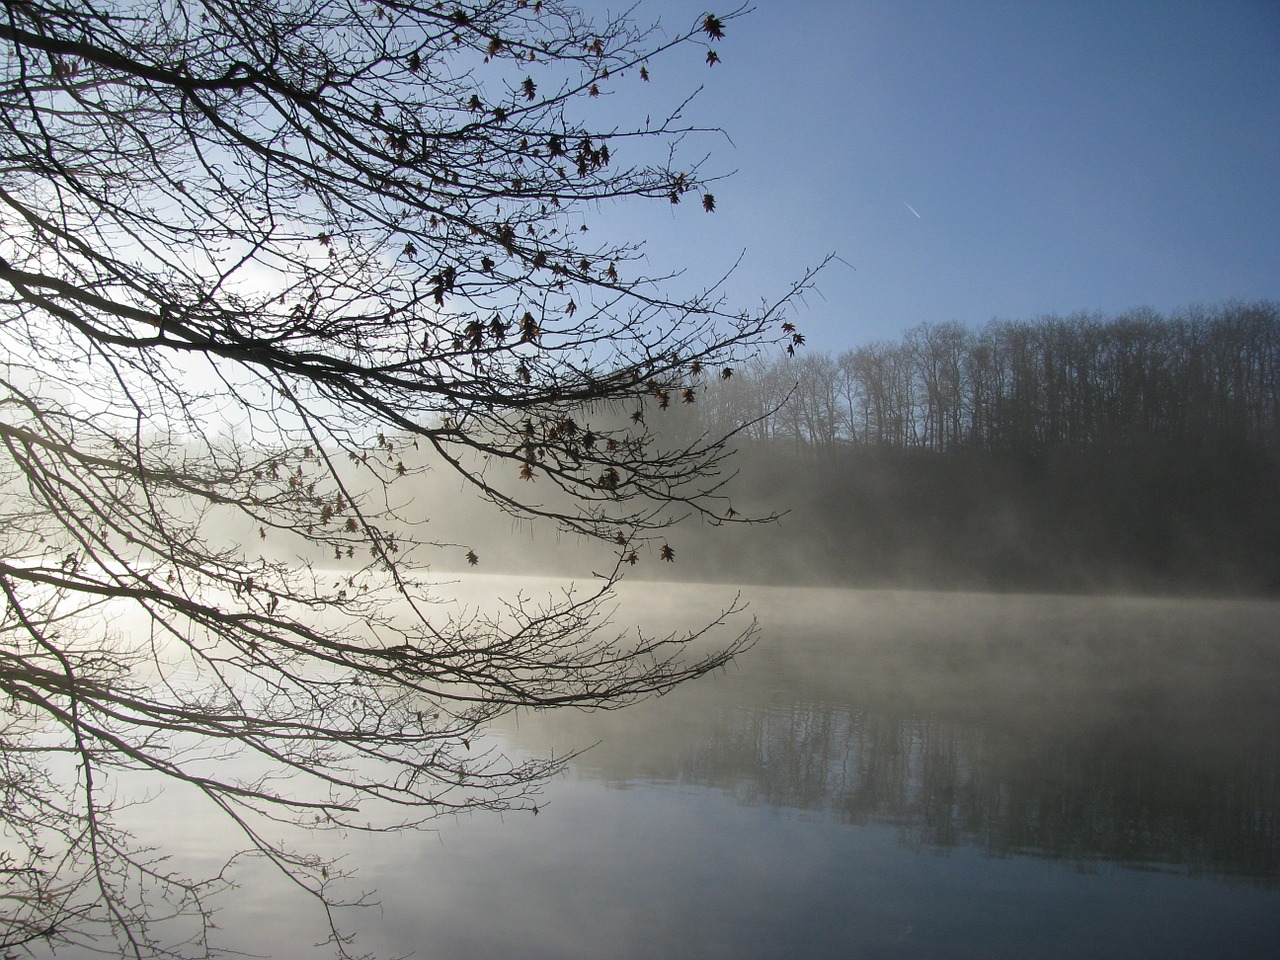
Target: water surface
[(887, 774)]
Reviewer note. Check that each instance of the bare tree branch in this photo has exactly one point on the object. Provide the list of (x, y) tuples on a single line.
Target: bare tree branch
[(263, 264)]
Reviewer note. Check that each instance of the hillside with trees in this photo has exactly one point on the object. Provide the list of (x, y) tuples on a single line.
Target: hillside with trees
[(1136, 451)]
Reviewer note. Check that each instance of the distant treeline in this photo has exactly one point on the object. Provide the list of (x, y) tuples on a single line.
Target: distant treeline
[(1082, 453), (1198, 376)]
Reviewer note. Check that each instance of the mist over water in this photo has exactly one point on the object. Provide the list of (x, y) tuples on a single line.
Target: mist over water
[(1133, 731), (885, 774)]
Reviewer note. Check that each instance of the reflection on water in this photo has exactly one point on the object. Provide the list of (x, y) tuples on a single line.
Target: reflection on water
[(1081, 795), (1137, 732), (886, 775)]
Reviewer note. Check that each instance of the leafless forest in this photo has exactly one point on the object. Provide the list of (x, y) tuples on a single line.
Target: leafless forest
[(1137, 451)]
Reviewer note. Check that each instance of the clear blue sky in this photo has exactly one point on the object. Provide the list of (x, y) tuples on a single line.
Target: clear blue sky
[(1061, 156)]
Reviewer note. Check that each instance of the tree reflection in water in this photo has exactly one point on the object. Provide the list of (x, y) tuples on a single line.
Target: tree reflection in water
[(1144, 733)]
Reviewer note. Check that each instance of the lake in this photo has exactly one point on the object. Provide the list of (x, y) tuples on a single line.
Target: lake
[(885, 774)]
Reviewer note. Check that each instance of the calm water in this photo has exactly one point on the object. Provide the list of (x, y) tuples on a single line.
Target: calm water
[(885, 775)]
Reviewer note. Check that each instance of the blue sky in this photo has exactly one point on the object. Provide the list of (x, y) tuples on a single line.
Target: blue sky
[(1060, 156)]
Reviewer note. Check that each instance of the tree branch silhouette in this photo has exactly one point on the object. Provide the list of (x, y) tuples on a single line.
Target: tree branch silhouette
[(263, 265)]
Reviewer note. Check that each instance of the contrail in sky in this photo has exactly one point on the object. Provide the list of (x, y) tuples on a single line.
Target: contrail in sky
[(912, 209)]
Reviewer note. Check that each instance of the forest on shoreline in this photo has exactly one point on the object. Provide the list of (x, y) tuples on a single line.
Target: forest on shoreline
[(1086, 453)]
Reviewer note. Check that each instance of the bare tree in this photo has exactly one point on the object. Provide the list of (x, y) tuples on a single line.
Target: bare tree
[(262, 264)]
